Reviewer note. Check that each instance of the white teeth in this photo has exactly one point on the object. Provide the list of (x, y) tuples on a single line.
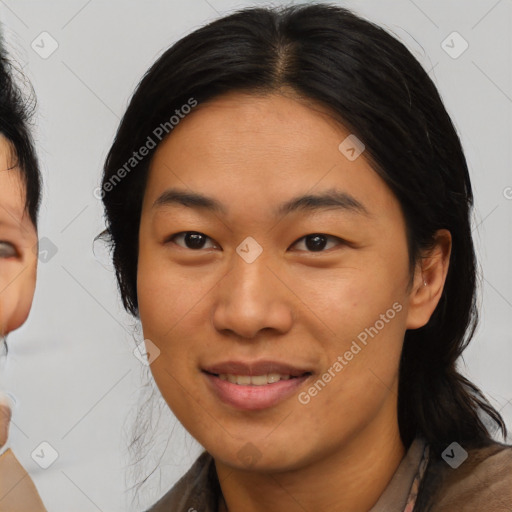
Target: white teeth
[(259, 380), (254, 380), (243, 380)]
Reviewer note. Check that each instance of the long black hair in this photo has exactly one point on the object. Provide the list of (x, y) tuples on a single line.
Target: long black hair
[(375, 87), (16, 111)]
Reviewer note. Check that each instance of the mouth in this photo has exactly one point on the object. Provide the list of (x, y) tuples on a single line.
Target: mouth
[(254, 386)]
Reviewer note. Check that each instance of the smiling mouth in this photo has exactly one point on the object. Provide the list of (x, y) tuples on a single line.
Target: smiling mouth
[(255, 385)]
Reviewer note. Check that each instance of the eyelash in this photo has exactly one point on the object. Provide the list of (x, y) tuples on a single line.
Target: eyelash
[(183, 233), (11, 251)]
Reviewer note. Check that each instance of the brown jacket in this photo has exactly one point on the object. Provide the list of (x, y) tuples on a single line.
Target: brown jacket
[(482, 483)]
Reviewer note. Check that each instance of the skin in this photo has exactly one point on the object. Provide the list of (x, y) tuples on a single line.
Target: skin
[(18, 258), (292, 304)]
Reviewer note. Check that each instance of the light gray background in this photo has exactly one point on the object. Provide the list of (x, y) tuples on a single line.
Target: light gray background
[(71, 367)]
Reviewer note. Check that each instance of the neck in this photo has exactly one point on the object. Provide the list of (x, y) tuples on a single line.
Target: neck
[(350, 479)]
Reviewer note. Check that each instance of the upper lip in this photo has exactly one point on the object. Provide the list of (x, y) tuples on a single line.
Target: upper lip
[(255, 368)]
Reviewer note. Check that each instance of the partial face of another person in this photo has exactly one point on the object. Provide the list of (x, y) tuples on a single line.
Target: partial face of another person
[(18, 245), (291, 268)]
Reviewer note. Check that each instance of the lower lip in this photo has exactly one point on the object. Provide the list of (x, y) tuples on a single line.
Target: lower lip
[(253, 398)]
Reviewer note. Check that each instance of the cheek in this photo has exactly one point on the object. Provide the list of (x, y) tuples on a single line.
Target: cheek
[(353, 299), (168, 297), (360, 378), (172, 308), (366, 313), (18, 287)]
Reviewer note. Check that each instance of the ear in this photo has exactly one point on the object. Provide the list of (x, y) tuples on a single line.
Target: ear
[(429, 278)]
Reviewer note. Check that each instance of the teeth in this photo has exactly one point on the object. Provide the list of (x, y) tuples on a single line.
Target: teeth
[(259, 380), (243, 380), (254, 380)]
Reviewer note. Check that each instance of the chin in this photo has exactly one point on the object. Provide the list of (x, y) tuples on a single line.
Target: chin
[(252, 456), (15, 321)]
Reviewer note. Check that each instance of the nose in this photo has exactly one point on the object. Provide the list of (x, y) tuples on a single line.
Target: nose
[(252, 298)]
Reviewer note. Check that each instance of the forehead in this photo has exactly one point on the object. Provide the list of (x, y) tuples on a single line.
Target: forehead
[(246, 137), (278, 119), (259, 150)]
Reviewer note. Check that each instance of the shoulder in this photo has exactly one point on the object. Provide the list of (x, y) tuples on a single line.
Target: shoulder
[(196, 490), (483, 481)]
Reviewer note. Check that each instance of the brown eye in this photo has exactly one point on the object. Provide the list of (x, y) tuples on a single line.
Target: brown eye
[(7, 250)]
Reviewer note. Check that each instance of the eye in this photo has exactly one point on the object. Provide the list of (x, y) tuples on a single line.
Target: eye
[(7, 250), (191, 240), (317, 242)]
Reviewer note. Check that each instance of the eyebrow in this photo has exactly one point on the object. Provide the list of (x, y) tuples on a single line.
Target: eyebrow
[(330, 199)]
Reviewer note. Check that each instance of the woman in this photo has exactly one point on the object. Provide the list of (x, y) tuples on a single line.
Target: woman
[(288, 204), (19, 203)]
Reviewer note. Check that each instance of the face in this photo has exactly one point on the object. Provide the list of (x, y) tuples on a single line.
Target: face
[(273, 276), (18, 240)]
